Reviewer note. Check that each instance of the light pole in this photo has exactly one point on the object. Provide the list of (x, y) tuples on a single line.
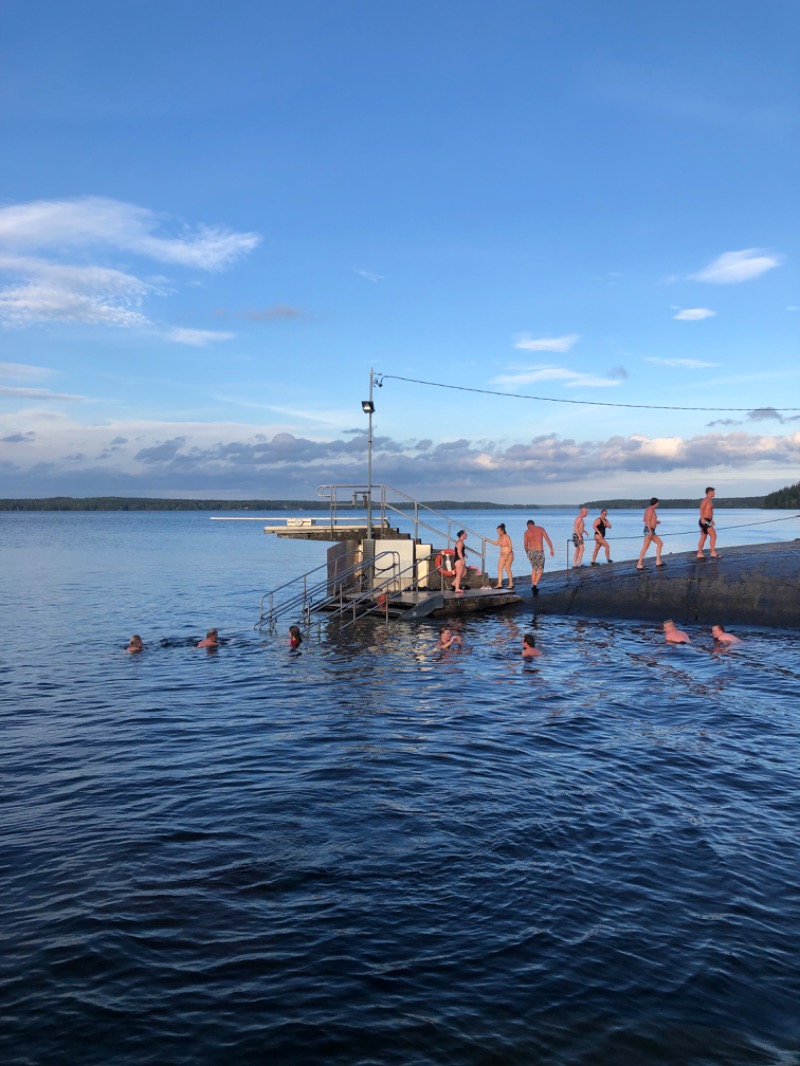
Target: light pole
[(368, 407)]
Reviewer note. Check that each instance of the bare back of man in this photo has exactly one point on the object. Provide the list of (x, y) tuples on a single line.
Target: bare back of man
[(535, 536)]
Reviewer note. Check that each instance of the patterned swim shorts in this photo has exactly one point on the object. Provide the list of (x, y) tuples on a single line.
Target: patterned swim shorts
[(577, 539), (536, 559)]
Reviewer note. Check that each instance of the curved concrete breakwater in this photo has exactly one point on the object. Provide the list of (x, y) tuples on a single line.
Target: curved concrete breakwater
[(758, 583)]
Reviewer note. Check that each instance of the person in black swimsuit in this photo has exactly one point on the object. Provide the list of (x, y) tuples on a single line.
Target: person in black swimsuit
[(461, 560), (600, 526)]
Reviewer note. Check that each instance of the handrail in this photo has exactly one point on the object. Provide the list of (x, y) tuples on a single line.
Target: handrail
[(303, 600), (374, 595), (329, 492)]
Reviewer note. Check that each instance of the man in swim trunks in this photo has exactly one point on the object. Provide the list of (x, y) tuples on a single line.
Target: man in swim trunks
[(578, 531), (650, 535), (706, 524), (534, 549)]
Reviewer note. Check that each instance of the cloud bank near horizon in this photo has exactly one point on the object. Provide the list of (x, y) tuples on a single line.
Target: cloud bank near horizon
[(42, 455)]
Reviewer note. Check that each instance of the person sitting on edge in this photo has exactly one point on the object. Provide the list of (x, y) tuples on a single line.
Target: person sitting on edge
[(719, 633), (650, 535), (211, 639), (135, 645), (448, 639), (503, 542), (578, 530), (534, 535), (706, 524), (295, 636), (600, 526), (529, 649), (673, 635)]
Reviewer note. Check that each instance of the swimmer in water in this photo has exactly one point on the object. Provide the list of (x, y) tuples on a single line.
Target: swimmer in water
[(295, 636), (211, 639), (135, 645), (448, 639), (719, 634), (529, 649), (673, 635)]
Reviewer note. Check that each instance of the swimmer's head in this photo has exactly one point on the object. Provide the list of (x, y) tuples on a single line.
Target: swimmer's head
[(296, 637), (669, 624), (528, 641), (212, 634), (654, 500), (136, 642), (531, 522), (501, 528)]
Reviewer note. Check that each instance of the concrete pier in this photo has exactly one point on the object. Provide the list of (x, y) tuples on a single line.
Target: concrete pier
[(759, 584)]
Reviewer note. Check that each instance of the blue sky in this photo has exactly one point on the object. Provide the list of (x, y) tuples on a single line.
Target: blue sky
[(216, 218)]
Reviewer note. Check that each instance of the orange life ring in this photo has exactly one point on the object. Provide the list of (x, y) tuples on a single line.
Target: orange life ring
[(446, 562)]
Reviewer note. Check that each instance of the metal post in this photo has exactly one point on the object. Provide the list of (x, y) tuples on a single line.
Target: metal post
[(369, 456)]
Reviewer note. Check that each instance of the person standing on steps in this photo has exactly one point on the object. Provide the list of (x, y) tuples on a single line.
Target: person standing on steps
[(503, 542), (534, 549), (461, 560), (600, 526), (578, 532), (650, 536), (706, 524)]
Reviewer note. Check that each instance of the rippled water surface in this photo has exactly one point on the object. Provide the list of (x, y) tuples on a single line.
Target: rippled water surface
[(369, 851)]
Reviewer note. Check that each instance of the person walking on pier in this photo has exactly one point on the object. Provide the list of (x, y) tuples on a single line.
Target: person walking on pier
[(503, 542), (578, 532), (600, 526), (534, 549), (706, 524), (650, 535)]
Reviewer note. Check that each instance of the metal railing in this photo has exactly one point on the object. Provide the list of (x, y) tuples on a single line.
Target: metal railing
[(335, 589), (360, 494)]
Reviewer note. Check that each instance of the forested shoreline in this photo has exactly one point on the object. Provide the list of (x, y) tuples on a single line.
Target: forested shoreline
[(784, 499)]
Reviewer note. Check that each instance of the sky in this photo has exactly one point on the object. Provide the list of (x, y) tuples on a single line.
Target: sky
[(576, 222)]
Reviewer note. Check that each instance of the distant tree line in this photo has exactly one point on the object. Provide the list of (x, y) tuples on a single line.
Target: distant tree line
[(783, 499), (788, 497)]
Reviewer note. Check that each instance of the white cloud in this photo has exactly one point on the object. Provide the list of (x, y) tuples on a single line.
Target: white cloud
[(571, 378), (56, 292), (686, 364), (38, 394), (24, 372), (694, 314), (732, 267), (197, 338), (46, 287), (63, 225), (545, 344), (368, 274)]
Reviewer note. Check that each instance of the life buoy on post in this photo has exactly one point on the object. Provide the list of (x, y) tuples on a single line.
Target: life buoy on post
[(446, 562)]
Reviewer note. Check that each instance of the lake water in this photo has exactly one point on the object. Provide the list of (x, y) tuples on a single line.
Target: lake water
[(371, 852)]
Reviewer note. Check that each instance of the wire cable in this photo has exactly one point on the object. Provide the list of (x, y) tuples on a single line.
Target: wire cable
[(583, 403)]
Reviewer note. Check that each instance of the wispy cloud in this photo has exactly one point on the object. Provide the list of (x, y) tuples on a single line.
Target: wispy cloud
[(38, 394), (38, 239), (694, 314), (368, 274), (685, 364), (65, 225), (24, 372), (733, 267), (570, 378), (197, 338), (277, 313), (545, 344)]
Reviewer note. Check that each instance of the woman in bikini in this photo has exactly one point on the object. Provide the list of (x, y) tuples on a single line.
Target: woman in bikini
[(503, 542)]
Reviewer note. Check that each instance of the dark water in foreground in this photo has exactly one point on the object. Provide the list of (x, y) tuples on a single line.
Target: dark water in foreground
[(371, 852)]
